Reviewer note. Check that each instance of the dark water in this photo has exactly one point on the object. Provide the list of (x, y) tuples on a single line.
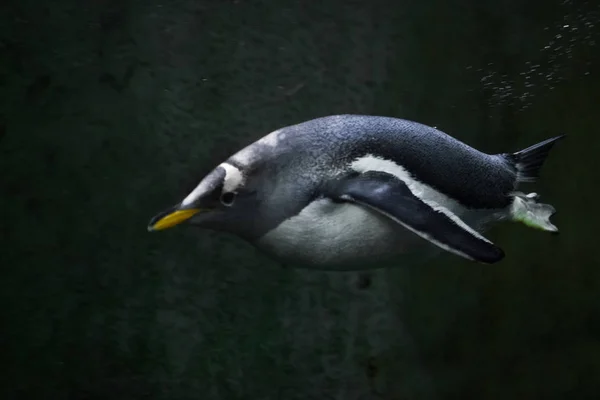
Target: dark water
[(111, 109)]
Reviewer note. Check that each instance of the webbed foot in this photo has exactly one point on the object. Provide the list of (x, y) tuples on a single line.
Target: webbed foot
[(527, 210)]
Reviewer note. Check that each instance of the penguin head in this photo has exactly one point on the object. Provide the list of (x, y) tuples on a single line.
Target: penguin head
[(227, 199), (246, 195)]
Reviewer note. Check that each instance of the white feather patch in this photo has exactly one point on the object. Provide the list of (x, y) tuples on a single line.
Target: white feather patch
[(423, 191), (234, 178)]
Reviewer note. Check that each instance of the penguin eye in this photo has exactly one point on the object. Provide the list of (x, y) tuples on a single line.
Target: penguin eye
[(227, 198)]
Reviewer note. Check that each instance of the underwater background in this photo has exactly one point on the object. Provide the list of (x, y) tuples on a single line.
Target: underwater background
[(112, 109)]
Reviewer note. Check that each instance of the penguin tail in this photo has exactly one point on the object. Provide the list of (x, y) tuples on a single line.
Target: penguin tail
[(529, 161)]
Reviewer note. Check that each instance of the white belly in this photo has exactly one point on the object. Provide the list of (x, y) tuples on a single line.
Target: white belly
[(338, 235)]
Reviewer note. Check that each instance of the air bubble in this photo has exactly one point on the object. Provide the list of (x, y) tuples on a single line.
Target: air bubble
[(546, 68)]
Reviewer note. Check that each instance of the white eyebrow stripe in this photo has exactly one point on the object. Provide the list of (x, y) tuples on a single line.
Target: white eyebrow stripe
[(234, 178)]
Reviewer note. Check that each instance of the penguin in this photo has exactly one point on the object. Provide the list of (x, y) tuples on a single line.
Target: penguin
[(346, 192)]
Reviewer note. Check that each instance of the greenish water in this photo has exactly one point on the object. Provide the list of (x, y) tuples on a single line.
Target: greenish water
[(111, 109)]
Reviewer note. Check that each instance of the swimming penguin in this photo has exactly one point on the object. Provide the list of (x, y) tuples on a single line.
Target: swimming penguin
[(346, 191)]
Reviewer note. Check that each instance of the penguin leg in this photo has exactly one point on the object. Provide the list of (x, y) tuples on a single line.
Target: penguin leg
[(391, 197)]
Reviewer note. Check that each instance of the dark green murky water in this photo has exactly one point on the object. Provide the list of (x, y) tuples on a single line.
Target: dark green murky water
[(111, 109)]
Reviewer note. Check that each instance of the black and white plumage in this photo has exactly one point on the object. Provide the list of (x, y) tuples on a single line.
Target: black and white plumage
[(341, 192)]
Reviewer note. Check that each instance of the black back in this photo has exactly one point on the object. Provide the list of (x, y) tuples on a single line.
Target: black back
[(475, 179)]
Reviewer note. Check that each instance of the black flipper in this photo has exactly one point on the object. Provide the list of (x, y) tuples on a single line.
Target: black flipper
[(391, 197), (529, 161)]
